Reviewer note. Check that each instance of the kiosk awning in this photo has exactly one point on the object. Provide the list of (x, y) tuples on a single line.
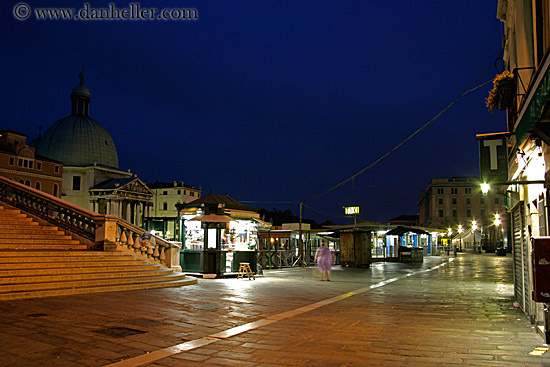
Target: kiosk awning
[(399, 231)]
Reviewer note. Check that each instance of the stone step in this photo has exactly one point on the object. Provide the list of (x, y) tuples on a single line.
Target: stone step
[(12, 215), (67, 254), (97, 289), (30, 226), (30, 229), (11, 220), (41, 260), (106, 275), (42, 246), (40, 263), (45, 241), (13, 269), (60, 284), (35, 236)]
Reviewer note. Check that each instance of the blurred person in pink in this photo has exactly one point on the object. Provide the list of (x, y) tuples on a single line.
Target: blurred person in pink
[(324, 260)]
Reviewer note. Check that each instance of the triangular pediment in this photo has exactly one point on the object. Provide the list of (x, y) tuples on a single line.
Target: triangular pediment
[(126, 185), (136, 186)]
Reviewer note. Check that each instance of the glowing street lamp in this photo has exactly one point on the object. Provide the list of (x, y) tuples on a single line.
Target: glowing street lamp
[(485, 187), (497, 220)]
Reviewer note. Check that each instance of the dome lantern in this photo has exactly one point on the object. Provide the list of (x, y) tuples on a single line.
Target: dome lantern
[(80, 97)]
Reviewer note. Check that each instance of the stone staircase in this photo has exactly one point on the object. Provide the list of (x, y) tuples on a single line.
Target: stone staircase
[(38, 260)]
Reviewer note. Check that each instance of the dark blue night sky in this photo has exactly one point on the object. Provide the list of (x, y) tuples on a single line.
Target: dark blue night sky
[(270, 101)]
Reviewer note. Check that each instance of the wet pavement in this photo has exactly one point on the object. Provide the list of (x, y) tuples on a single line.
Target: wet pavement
[(443, 312)]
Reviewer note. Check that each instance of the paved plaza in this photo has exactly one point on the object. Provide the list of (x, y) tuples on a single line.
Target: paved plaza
[(443, 312)]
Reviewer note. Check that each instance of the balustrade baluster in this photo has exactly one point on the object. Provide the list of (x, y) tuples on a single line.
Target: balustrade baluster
[(124, 238)]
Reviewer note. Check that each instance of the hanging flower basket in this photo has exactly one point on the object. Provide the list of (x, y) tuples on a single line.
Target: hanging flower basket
[(502, 95)]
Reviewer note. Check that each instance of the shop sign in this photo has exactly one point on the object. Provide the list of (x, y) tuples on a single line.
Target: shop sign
[(208, 225), (493, 158), (352, 210)]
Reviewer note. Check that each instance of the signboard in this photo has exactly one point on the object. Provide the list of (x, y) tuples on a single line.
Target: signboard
[(352, 210), (541, 269), (493, 157)]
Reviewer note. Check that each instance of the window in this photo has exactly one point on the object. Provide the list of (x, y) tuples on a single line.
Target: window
[(184, 192), (20, 162), (16, 142), (37, 185), (165, 193), (12, 161), (469, 213), (468, 201), (28, 183), (455, 213), (179, 192), (440, 213), (468, 190), (495, 200), (39, 166), (31, 164), (76, 183), (21, 182), (191, 193), (25, 163), (454, 201), (164, 206), (482, 201), (440, 190), (440, 201), (55, 189), (454, 191), (56, 169)]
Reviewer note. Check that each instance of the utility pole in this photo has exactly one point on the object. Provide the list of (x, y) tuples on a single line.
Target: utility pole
[(300, 243)]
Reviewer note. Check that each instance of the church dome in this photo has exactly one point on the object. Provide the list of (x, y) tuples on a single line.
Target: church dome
[(78, 140)]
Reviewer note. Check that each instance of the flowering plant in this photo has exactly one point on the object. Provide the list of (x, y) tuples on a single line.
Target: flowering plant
[(501, 94)]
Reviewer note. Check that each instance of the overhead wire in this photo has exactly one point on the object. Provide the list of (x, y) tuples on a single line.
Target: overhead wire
[(374, 163)]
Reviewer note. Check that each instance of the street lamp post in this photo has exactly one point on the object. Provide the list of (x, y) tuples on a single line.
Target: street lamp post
[(449, 234), (474, 227), (497, 223), (460, 230)]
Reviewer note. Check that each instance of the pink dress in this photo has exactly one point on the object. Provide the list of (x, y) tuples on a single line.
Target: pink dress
[(324, 258)]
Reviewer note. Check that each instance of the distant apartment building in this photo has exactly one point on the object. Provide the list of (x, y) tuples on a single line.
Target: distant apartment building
[(449, 202), (19, 162), (163, 216)]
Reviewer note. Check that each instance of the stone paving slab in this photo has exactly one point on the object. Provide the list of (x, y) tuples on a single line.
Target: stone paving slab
[(460, 314)]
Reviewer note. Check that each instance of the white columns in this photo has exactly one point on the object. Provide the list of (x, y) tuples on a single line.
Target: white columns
[(138, 214)]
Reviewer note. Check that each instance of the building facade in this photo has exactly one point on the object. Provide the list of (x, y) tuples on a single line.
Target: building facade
[(458, 201), (163, 217), (19, 162), (526, 43)]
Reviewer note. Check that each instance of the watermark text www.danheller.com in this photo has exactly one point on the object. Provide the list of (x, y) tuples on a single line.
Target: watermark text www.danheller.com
[(134, 11)]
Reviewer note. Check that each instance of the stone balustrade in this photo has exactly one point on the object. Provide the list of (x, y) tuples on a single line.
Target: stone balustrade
[(106, 232)]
